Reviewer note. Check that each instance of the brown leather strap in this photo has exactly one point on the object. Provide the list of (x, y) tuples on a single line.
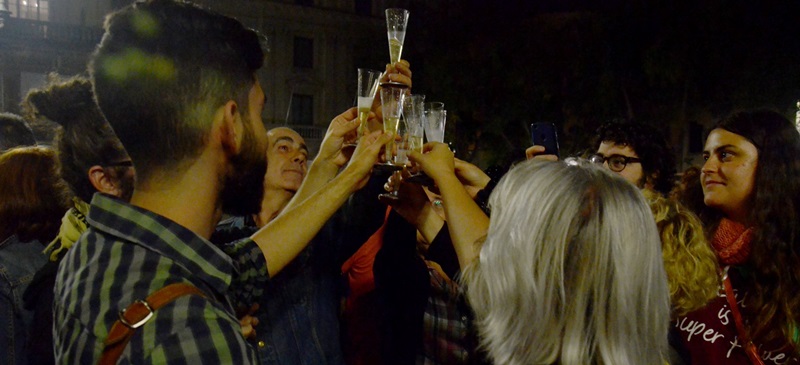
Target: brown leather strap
[(748, 345), (136, 315)]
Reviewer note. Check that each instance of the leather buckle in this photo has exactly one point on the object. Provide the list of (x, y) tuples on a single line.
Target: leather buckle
[(134, 306)]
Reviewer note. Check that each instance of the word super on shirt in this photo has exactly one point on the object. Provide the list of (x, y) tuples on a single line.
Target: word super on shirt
[(710, 337)]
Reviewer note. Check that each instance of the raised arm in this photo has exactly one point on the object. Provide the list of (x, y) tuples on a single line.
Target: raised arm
[(466, 221), (331, 156), (284, 237)]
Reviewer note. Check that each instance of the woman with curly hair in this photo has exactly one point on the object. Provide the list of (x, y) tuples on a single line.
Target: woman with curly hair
[(32, 200), (751, 187), (689, 260)]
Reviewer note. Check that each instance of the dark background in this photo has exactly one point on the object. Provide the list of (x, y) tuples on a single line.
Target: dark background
[(678, 65)]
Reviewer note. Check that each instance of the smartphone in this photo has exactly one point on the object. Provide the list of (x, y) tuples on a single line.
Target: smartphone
[(544, 134)]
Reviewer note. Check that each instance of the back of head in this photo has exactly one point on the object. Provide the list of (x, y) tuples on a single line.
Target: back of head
[(571, 270), (689, 260), (32, 197), (85, 139), (14, 132), (161, 71), (649, 144)]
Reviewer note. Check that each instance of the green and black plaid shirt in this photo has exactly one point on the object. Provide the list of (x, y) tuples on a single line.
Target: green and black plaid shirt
[(128, 253)]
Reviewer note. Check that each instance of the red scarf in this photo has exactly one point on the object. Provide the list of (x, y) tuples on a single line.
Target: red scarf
[(732, 242)]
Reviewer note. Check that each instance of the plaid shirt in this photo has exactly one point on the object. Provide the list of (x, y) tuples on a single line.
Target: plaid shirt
[(129, 253), (448, 335)]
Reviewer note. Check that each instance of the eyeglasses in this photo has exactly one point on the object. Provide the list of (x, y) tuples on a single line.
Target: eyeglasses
[(616, 163)]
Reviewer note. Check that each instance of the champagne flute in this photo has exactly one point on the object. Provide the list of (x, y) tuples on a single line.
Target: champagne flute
[(367, 87), (392, 98), (413, 115), (435, 120), (396, 21)]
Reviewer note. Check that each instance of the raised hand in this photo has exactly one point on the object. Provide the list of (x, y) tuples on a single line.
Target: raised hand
[(341, 127), (537, 152), (437, 161), (473, 178), (366, 155), (399, 72)]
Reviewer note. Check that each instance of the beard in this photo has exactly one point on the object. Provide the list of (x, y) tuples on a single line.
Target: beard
[(126, 184), (243, 187)]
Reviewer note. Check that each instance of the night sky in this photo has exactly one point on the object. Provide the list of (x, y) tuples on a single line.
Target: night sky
[(500, 65)]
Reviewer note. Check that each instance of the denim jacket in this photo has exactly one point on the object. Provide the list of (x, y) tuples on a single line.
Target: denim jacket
[(19, 261), (298, 313)]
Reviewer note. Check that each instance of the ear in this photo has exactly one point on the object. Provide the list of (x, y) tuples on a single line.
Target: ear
[(231, 128), (102, 181)]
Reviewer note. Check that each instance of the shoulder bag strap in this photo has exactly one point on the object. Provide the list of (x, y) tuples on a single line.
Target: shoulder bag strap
[(747, 344), (137, 314)]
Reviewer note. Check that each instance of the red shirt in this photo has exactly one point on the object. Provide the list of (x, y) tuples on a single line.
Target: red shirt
[(709, 335)]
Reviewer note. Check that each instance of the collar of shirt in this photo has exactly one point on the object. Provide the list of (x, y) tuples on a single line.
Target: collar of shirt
[(160, 234)]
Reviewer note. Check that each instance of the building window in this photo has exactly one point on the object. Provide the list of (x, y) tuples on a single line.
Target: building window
[(30, 9), (303, 52), (302, 109)]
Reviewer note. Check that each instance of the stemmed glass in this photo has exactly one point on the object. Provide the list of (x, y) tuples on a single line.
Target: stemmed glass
[(396, 20), (435, 120), (367, 87), (392, 98), (413, 114)]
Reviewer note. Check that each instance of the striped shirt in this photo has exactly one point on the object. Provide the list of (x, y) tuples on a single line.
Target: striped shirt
[(128, 253)]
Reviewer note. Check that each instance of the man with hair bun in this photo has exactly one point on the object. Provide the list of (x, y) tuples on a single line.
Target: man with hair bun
[(178, 85)]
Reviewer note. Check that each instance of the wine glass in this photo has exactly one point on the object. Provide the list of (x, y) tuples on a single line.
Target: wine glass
[(413, 114), (435, 120), (396, 21), (392, 98), (367, 87)]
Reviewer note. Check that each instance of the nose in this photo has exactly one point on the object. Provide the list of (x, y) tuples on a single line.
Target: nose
[(299, 158), (709, 166)]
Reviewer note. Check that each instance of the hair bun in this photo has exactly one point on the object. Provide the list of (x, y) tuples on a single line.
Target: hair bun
[(64, 102)]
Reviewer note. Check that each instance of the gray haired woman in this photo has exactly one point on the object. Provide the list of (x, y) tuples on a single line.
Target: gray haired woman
[(571, 270)]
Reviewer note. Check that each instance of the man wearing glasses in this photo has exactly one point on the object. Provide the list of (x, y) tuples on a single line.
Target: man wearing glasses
[(637, 152)]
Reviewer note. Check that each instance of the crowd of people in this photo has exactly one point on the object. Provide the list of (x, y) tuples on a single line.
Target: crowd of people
[(164, 224)]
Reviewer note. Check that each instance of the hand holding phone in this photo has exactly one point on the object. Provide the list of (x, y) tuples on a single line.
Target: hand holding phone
[(544, 134)]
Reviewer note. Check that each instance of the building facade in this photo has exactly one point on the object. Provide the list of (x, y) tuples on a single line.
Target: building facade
[(309, 76)]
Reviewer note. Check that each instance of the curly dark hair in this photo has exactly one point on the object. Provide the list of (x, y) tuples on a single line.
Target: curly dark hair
[(32, 196), (85, 139), (658, 159), (774, 265)]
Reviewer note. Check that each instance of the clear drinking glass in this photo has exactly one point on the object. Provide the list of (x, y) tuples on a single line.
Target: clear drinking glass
[(396, 21), (392, 98), (413, 114), (435, 120), (367, 87)]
